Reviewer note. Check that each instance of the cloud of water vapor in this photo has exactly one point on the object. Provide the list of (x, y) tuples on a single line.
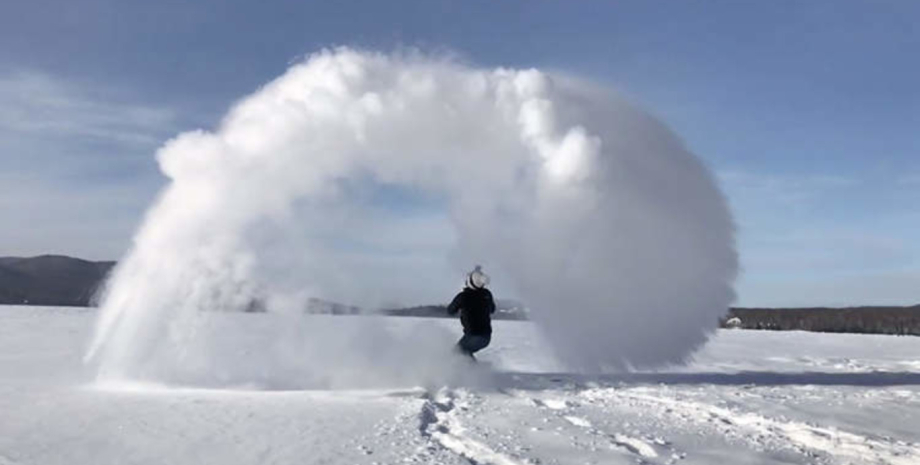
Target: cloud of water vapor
[(604, 224)]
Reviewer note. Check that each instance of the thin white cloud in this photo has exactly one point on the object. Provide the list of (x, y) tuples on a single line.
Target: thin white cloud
[(910, 179), (77, 165), (783, 188), (37, 104), (759, 199), (808, 250), (895, 287), (94, 221), (794, 253)]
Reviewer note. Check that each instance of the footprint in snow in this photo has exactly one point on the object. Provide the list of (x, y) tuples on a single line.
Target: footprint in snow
[(621, 441), (634, 445), (578, 421), (553, 404)]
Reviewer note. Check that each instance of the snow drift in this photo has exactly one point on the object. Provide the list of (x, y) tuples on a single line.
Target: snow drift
[(592, 211)]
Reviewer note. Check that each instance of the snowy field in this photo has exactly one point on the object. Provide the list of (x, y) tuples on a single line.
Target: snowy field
[(749, 397)]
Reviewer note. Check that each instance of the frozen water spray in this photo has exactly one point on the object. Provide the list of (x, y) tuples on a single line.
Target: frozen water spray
[(614, 235)]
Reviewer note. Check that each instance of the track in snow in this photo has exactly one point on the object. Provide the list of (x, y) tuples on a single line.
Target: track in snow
[(439, 422), (830, 444)]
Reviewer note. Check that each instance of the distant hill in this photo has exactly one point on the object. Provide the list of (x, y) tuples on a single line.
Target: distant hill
[(50, 280)]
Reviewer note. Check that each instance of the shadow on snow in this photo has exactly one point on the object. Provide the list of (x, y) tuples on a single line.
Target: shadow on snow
[(536, 381)]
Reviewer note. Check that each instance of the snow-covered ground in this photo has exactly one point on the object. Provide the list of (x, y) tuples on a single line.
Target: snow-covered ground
[(749, 397)]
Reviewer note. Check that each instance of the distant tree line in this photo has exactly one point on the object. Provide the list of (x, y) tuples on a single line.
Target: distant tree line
[(65, 281), (875, 320)]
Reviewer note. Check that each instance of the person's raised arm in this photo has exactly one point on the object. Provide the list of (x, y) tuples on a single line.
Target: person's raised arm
[(454, 305)]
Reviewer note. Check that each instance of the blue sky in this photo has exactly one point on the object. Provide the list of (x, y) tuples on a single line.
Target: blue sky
[(807, 111)]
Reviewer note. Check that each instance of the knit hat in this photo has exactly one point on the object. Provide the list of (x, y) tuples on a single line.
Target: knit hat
[(477, 279)]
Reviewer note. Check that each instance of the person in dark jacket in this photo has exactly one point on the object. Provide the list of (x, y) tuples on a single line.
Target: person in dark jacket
[(476, 306)]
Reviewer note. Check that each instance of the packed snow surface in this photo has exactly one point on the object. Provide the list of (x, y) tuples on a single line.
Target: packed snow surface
[(749, 397)]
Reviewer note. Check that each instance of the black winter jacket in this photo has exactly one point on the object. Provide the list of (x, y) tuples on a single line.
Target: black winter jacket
[(476, 308)]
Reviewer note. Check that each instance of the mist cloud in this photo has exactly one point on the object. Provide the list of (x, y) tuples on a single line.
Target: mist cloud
[(596, 215)]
